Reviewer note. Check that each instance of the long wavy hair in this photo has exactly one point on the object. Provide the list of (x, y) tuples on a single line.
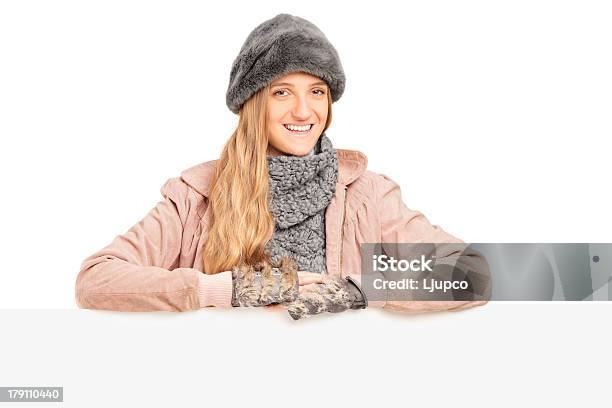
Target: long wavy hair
[(241, 223)]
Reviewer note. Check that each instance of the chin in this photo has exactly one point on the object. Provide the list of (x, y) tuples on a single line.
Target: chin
[(291, 152), (301, 153), (301, 150)]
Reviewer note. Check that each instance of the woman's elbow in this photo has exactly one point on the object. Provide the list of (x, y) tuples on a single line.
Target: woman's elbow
[(87, 278), (80, 291)]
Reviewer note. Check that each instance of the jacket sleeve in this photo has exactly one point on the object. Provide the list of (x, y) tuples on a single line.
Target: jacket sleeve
[(137, 270), (399, 224)]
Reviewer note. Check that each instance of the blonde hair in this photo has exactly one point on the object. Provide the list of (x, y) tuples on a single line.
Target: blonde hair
[(241, 223)]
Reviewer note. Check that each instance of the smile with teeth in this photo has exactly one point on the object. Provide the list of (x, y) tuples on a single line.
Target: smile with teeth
[(298, 129)]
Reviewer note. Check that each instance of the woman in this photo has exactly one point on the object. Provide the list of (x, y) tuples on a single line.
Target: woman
[(280, 217)]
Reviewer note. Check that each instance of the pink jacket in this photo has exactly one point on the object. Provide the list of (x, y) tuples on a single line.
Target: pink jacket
[(157, 264)]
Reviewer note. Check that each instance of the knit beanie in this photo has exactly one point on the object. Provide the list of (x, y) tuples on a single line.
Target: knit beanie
[(279, 46)]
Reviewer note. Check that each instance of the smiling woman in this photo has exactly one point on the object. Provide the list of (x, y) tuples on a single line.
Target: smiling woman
[(299, 111), (280, 197)]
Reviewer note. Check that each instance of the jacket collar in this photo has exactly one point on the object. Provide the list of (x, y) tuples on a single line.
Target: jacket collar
[(351, 165)]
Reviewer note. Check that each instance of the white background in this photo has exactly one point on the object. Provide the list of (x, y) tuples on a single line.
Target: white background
[(494, 117)]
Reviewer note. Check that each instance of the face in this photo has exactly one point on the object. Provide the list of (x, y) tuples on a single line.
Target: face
[(298, 99)]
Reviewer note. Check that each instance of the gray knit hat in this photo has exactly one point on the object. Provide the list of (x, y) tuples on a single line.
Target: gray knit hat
[(277, 47)]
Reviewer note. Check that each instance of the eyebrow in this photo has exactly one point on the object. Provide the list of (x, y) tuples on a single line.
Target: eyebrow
[(288, 84)]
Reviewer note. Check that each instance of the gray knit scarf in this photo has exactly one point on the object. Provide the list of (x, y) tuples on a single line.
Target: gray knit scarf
[(301, 188)]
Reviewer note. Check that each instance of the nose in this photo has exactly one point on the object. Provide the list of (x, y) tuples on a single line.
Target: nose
[(301, 108)]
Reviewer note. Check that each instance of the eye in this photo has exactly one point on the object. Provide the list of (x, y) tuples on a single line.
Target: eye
[(320, 90), (280, 90)]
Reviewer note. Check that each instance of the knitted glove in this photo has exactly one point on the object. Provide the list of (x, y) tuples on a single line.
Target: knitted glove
[(264, 284), (333, 295)]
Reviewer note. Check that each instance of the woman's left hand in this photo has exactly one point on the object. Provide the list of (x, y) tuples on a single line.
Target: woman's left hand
[(332, 294)]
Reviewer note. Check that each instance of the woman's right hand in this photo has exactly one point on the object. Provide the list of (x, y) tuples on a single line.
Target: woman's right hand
[(262, 284)]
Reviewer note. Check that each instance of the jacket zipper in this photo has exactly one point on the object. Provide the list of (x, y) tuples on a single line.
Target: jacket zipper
[(340, 232)]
